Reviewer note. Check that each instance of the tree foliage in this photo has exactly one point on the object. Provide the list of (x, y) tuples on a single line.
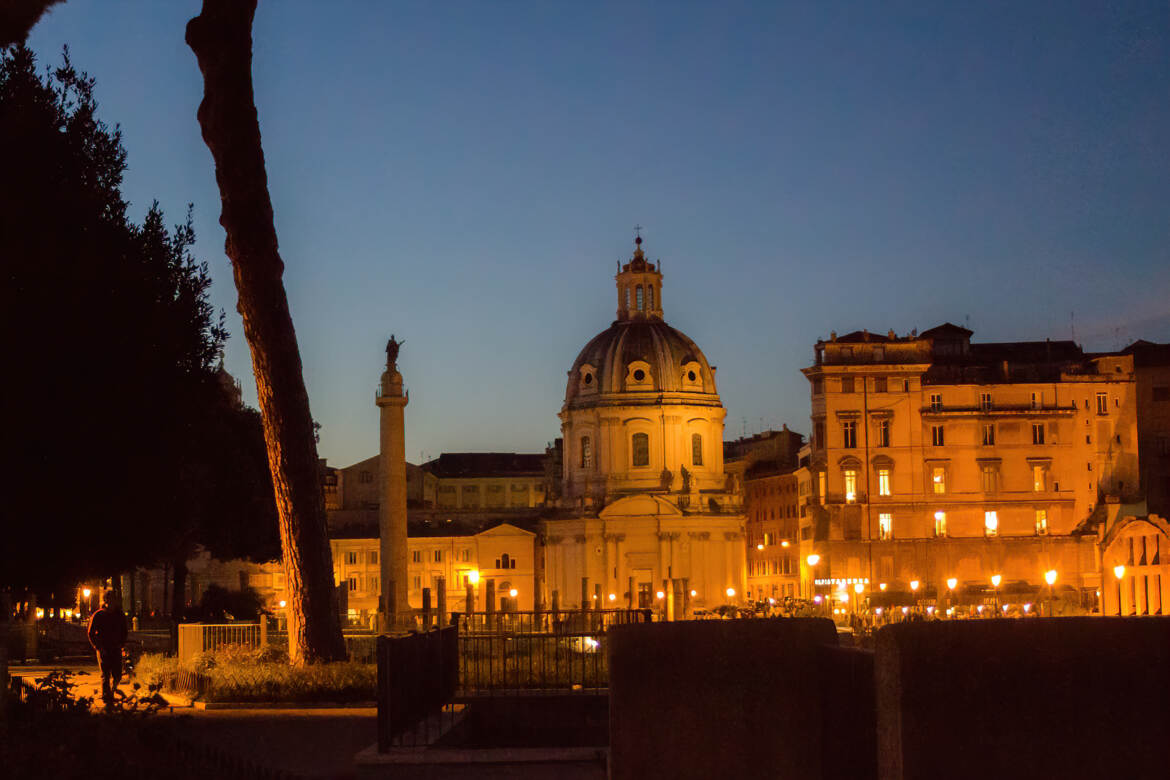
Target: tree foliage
[(122, 444)]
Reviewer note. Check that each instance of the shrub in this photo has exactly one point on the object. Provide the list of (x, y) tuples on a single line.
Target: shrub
[(251, 675)]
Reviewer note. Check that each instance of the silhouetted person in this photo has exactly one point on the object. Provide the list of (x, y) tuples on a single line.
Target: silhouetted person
[(107, 634)]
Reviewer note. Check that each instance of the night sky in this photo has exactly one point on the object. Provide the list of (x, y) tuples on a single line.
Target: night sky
[(465, 175)]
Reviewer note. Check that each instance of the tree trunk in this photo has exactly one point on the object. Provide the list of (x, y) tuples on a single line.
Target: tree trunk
[(221, 37)]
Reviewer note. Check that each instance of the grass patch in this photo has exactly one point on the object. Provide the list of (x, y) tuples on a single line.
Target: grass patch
[(240, 675)]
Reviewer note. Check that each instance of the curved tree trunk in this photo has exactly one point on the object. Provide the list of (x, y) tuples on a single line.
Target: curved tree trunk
[(221, 37)]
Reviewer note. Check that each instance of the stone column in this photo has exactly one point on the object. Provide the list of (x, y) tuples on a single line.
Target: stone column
[(392, 490)]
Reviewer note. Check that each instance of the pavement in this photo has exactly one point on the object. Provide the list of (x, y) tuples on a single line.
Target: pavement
[(313, 743)]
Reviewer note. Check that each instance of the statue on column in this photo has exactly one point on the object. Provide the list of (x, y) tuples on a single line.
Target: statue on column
[(392, 351)]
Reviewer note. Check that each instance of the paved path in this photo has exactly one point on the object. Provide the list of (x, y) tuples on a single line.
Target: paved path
[(310, 743)]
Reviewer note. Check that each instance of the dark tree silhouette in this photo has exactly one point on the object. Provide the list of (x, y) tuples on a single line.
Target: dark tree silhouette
[(17, 17), (221, 37), (121, 445)]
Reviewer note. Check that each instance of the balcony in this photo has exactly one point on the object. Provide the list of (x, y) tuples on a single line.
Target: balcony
[(998, 410)]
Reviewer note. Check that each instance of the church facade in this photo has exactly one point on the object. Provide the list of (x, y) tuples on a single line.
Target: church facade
[(646, 516)]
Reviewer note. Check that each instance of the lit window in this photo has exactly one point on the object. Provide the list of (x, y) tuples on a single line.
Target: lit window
[(990, 478), (1037, 433), (991, 523), (1041, 521), (883, 482), (1039, 478), (1102, 403), (988, 434), (883, 433), (985, 401), (696, 449), (885, 525), (936, 402), (850, 485), (586, 453), (641, 449), (820, 485), (849, 434), (940, 523), (936, 436), (938, 480)]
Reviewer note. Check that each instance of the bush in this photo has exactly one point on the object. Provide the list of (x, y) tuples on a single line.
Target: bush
[(246, 675)]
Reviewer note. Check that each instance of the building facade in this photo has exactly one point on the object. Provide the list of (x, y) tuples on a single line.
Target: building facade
[(939, 462), (645, 516)]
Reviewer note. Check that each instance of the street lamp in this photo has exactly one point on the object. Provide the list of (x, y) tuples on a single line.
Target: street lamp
[(473, 576), (952, 582), (995, 580), (812, 560), (914, 589), (1119, 572), (1050, 578)]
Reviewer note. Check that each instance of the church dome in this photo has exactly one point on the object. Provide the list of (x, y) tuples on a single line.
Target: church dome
[(639, 355)]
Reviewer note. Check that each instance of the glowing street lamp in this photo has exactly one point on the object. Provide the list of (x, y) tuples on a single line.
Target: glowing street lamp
[(473, 576), (660, 595), (86, 592), (613, 597), (513, 593), (730, 593), (813, 559), (694, 593), (760, 546), (995, 580), (914, 585), (882, 587), (1119, 572)]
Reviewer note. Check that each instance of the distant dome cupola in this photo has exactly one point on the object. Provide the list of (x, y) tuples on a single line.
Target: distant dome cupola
[(639, 286)]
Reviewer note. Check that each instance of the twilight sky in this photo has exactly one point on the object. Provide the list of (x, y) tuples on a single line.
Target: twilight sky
[(466, 174)]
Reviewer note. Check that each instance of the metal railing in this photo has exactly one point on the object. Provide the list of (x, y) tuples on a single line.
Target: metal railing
[(514, 652), (196, 638)]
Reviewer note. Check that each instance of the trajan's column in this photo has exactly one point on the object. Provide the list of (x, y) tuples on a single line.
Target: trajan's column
[(392, 492)]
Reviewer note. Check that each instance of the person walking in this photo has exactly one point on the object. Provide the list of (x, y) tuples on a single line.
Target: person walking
[(107, 634)]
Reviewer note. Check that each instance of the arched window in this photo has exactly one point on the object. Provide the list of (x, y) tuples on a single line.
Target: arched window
[(586, 453), (696, 449), (650, 298), (641, 300), (627, 296), (640, 449)]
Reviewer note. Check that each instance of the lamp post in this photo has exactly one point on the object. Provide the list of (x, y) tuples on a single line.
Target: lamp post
[(951, 583), (1119, 572), (995, 580), (1050, 578), (914, 589), (812, 560)]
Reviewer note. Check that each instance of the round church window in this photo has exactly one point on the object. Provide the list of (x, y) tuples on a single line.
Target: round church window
[(639, 375), (691, 376), (589, 379)]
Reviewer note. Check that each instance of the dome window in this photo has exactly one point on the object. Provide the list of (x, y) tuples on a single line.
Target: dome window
[(696, 449), (589, 379), (586, 453), (639, 376), (691, 376)]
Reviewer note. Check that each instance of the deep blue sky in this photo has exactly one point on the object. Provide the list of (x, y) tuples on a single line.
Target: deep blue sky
[(465, 175)]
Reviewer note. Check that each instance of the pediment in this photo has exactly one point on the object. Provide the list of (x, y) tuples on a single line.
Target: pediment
[(505, 529), (641, 505)]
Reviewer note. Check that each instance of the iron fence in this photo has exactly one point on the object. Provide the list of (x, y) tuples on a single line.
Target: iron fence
[(517, 652)]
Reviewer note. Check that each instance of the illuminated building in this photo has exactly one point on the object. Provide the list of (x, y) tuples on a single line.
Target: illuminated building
[(933, 457), (644, 504)]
